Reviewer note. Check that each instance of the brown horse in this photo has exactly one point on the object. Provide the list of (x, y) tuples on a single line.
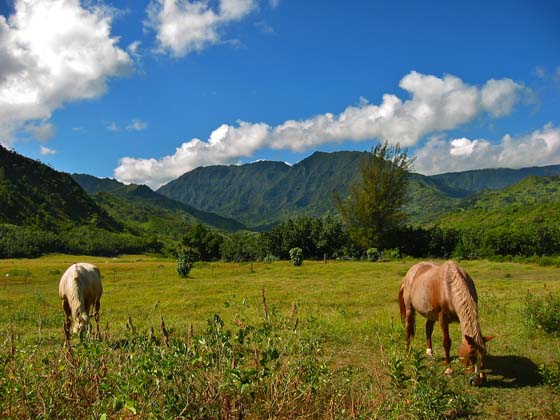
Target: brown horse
[(80, 289), (444, 293)]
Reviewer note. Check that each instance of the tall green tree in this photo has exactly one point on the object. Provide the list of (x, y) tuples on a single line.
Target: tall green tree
[(372, 209), (206, 242)]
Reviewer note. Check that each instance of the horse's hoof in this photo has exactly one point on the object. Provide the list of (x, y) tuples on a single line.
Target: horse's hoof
[(429, 352), (477, 380), (448, 372)]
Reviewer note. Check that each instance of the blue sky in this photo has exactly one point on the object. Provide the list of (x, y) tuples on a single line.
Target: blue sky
[(144, 91)]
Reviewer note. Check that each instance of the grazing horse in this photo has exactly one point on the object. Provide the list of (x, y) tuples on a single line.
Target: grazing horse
[(444, 293), (80, 289)]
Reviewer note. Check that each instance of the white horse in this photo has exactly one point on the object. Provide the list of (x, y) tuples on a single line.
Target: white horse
[(80, 289)]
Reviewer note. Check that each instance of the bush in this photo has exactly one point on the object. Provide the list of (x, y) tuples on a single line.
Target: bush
[(543, 312), (296, 256), (185, 261), (269, 259), (392, 254), (373, 254)]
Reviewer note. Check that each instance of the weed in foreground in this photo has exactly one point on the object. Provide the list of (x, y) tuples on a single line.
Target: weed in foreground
[(263, 369), (420, 391)]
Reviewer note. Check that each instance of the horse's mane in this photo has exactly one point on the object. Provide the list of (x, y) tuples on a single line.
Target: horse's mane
[(465, 302)]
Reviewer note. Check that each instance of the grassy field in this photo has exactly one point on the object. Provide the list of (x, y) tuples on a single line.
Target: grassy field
[(347, 309)]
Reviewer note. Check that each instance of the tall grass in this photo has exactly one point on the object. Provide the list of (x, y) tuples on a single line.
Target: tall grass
[(543, 311), (270, 367), (226, 350)]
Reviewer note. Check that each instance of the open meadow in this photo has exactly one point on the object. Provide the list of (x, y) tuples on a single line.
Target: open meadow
[(324, 341)]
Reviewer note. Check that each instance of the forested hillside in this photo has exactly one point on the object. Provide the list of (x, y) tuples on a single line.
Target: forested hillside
[(469, 182), (534, 200), (141, 208), (34, 195)]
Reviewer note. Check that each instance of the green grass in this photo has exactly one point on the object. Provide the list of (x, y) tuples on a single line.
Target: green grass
[(349, 308)]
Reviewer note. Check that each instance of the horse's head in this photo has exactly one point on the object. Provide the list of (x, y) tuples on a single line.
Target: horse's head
[(471, 353)]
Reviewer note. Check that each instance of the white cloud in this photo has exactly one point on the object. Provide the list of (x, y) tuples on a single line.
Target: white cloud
[(137, 125), (499, 96), (539, 148), (45, 151), (265, 28), (113, 127), (274, 3), (435, 105), (226, 144), (540, 72), (53, 52), (185, 26), (41, 132)]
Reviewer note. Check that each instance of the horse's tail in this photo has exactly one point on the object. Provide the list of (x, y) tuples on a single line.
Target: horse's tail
[(402, 306), (81, 314)]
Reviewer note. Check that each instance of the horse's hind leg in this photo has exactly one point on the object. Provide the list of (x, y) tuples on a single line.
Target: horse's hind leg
[(429, 330), (68, 317), (409, 325)]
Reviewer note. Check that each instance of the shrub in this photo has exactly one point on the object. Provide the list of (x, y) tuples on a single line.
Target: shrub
[(269, 259), (296, 256), (392, 254), (185, 261), (373, 254), (543, 312)]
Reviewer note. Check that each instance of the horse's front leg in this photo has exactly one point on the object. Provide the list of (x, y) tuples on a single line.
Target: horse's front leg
[(96, 317), (429, 330), (446, 340)]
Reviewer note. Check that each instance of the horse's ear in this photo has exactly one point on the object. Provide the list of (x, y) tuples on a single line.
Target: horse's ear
[(470, 340), (488, 338)]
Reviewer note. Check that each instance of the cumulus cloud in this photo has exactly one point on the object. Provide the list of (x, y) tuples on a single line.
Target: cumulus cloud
[(182, 27), (45, 151), (137, 125), (435, 105), (41, 132), (265, 28), (53, 52), (113, 126), (225, 144), (539, 148)]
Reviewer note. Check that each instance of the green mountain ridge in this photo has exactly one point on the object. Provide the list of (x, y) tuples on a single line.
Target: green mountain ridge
[(35, 195), (532, 201), (262, 194), (473, 181), (142, 207)]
